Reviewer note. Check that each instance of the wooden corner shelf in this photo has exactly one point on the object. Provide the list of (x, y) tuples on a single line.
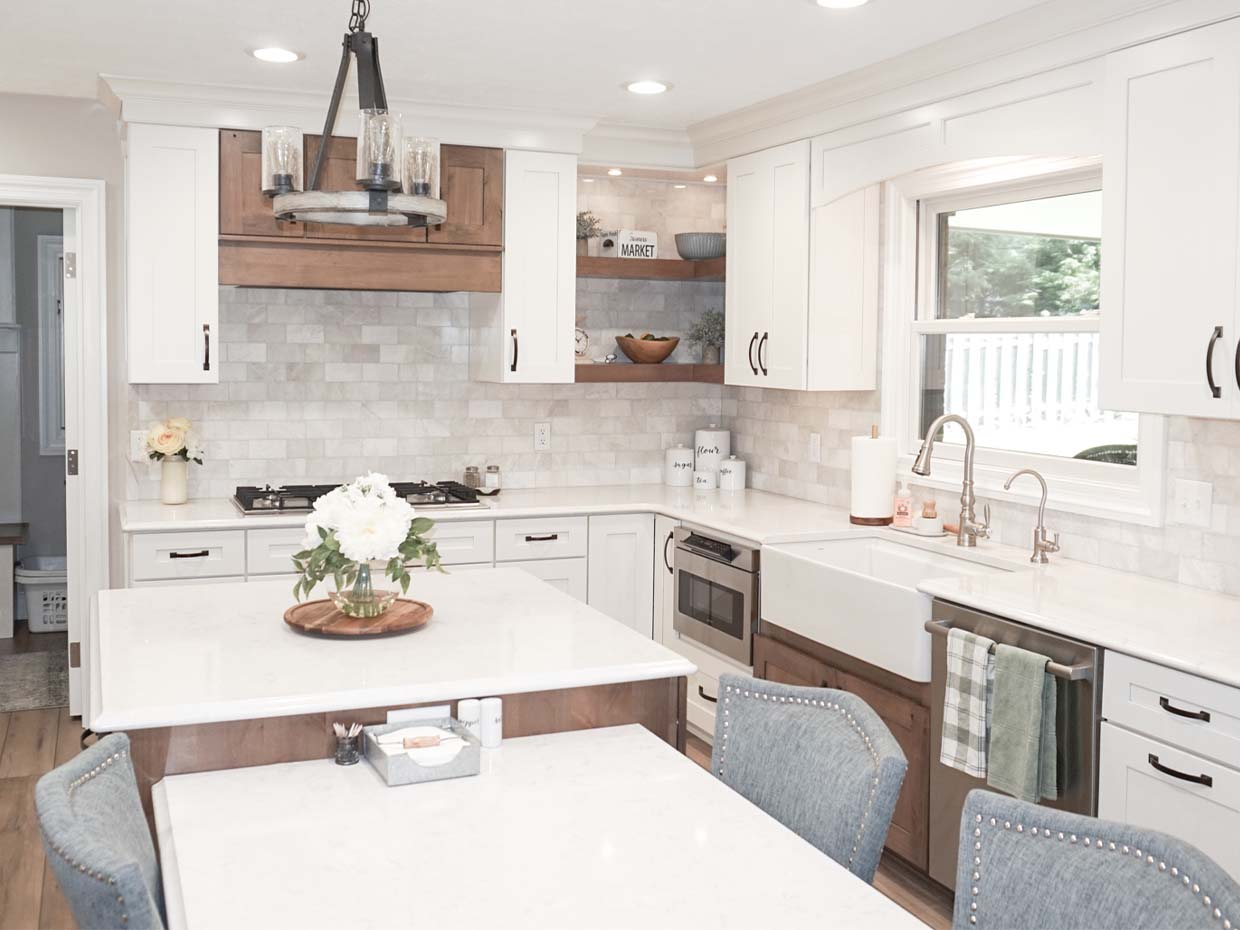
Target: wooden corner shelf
[(650, 269), (597, 374)]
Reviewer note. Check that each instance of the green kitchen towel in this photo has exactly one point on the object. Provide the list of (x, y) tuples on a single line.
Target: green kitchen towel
[(1022, 730)]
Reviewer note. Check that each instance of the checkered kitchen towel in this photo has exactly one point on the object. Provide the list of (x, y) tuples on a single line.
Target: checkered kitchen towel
[(970, 669)]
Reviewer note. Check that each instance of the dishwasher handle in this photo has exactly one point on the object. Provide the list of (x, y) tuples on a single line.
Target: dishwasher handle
[(1082, 672)]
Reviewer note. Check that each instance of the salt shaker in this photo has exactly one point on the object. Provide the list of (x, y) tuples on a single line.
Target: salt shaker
[(492, 477), (492, 722), (469, 712)]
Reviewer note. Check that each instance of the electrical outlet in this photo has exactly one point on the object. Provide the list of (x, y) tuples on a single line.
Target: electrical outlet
[(542, 437), (137, 445), (1193, 502), (815, 447)]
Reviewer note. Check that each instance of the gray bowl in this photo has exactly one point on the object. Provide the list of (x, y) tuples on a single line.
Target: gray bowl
[(696, 246)]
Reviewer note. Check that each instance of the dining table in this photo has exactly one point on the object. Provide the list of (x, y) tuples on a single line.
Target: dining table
[(599, 828)]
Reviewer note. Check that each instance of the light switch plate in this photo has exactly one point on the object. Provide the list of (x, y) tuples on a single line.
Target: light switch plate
[(1194, 501), (137, 445), (815, 447), (542, 437)]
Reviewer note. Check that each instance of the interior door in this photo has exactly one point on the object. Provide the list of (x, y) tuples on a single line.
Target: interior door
[(1172, 158)]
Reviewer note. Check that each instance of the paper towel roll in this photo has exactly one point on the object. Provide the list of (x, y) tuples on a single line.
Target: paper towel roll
[(873, 470)]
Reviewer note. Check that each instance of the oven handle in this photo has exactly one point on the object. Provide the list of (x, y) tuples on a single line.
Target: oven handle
[(702, 694), (706, 554), (1082, 672)]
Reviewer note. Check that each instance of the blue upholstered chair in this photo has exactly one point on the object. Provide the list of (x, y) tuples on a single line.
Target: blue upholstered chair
[(97, 839), (1035, 868), (819, 761)]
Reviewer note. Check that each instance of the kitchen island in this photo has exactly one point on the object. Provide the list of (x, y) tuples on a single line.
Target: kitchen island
[(206, 677)]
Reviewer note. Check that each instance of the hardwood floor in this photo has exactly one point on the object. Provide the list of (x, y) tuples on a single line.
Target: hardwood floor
[(31, 743), (916, 893), (23, 640)]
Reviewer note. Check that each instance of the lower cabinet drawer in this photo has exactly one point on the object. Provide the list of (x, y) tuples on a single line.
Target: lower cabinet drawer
[(271, 551), (171, 582), (569, 575), (699, 708), (163, 556), (540, 538), (465, 542), (1149, 784)]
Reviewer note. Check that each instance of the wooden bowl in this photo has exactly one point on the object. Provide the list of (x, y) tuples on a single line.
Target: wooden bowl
[(647, 351)]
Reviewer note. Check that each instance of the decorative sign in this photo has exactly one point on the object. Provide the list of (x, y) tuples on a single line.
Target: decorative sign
[(637, 243)]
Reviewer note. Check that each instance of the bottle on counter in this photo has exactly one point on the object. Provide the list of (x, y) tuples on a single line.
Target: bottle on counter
[(472, 478), (903, 507), (491, 480)]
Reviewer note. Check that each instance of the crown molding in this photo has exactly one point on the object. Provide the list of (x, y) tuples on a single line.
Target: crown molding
[(625, 145), (240, 107), (1051, 35)]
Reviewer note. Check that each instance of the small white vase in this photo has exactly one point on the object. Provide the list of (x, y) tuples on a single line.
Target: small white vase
[(174, 481)]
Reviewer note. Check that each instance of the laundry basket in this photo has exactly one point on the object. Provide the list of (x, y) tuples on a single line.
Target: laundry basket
[(42, 593)]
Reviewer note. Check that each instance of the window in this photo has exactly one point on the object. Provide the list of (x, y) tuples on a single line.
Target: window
[(1000, 324)]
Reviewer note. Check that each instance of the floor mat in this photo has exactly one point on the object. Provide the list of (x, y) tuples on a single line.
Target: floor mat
[(31, 680)]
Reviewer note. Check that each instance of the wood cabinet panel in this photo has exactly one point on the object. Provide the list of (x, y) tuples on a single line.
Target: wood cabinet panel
[(244, 209), (471, 183), (339, 173), (773, 661)]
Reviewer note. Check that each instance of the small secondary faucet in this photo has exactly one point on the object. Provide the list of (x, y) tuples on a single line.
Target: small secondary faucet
[(970, 530), (1041, 545)]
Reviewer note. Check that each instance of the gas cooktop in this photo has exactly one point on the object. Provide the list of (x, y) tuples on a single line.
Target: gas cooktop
[(300, 498)]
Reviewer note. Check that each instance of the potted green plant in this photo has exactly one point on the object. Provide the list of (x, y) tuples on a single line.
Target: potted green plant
[(588, 227), (708, 333)]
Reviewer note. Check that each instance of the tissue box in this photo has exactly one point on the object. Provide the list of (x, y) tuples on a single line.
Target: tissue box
[(401, 770)]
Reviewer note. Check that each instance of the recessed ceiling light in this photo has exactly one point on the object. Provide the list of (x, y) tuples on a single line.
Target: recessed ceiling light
[(841, 4), (615, 172), (647, 87), (276, 56), (710, 179), (680, 187), (587, 180)]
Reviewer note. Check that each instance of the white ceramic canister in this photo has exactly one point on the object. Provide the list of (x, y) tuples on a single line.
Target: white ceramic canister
[(469, 712), (678, 467), (732, 474), (710, 447), (492, 722), (705, 480)]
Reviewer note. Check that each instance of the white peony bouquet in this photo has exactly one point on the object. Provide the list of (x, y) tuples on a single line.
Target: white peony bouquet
[(359, 523), (173, 438)]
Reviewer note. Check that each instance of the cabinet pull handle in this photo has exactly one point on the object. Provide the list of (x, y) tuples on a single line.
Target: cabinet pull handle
[(1183, 776), (206, 346), (516, 348), (1202, 715), (1237, 364), (1215, 390), (751, 342), (761, 345), (667, 542), (702, 694), (200, 554), (549, 537)]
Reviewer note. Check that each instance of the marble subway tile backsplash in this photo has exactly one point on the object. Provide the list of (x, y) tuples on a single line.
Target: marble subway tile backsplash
[(656, 206), (607, 308), (318, 386)]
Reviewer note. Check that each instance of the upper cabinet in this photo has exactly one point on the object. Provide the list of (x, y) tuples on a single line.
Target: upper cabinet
[(802, 285), (461, 254), (525, 333), (172, 206), (1170, 319)]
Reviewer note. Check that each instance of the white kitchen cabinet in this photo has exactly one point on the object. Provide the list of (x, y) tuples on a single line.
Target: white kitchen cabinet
[(664, 577), (525, 334), (842, 345), (621, 572), (465, 542), (270, 551), (182, 556), (767, 299), (172, 254), (540, 538), (569, 575), (1150, 784), (1170, 320)]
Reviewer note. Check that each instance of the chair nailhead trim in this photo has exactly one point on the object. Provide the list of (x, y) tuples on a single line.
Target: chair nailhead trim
[(1086, 842), (825, 705)]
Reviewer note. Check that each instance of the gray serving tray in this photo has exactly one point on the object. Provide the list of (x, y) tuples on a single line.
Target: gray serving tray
[(401, 770)]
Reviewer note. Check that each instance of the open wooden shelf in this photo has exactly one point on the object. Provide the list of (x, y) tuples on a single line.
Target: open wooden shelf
[(702, 374), (650, 269)]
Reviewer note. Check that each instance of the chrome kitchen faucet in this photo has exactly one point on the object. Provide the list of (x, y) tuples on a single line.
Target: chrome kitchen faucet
[(1041, 545)]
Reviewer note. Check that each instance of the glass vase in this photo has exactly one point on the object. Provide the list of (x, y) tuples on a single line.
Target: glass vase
[(362, 599)]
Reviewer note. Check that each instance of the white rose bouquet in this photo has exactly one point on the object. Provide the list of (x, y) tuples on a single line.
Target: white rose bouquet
[(356, 524), (173, 438)]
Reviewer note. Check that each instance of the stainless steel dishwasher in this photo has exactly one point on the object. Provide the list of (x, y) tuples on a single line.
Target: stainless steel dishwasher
[(1077, 668)]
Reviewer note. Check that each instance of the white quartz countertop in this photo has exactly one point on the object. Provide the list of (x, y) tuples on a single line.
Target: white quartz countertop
[(606, 828), (1171, 624), (759, 516), (169, 656)]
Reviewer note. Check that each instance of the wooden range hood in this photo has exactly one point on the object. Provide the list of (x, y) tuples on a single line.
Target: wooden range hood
[(463, 254)]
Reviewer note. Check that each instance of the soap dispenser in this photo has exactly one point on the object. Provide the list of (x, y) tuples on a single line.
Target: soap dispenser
[(903, 507)]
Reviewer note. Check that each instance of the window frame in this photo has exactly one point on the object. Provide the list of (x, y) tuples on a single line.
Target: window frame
[(1134, 495)]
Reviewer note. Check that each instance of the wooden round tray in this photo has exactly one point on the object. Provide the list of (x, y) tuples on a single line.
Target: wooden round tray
[(322, 617)]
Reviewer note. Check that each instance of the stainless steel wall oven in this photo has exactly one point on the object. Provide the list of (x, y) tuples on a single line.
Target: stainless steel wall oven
[(716, 584)]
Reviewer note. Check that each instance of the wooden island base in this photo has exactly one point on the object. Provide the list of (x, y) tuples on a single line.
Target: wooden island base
[(658, 705)]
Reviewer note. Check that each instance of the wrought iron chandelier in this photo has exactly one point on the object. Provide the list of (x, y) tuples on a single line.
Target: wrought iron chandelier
[(398, 175)]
